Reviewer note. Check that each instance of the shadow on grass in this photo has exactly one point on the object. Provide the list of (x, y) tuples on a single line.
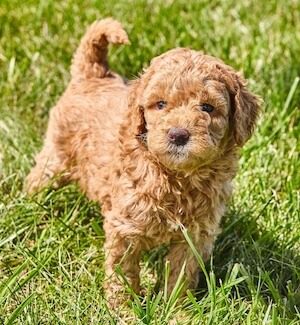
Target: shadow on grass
[(272, 269)]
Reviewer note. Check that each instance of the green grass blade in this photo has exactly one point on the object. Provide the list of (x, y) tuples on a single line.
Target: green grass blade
[(17, 312)]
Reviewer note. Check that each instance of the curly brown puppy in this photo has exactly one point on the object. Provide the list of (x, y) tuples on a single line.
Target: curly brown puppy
[(159, 152)]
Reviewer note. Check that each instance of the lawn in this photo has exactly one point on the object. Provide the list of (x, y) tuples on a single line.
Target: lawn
[(51, 245)]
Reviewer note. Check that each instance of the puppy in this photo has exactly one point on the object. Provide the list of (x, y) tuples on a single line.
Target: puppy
[(156, 153)]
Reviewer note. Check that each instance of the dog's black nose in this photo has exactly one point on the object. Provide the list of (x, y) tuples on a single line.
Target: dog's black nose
[(178, 136)]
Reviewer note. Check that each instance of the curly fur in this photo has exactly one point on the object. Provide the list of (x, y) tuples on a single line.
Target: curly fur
[(110, 138)]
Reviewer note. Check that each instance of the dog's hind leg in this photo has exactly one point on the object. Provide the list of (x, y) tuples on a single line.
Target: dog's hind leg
[(50, 163)]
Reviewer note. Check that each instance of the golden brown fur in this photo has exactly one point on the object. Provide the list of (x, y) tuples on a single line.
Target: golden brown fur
[(112, 139)]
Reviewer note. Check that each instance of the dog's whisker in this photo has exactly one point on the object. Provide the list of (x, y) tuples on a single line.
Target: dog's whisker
[(142, 137)]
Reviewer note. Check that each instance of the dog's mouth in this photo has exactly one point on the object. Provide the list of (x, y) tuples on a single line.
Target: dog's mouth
[(178, 153)]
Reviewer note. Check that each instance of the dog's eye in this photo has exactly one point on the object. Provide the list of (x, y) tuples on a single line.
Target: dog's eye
[(161, 104), (206, 108)]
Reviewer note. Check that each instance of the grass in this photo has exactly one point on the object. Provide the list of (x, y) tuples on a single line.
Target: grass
[(51, 246)]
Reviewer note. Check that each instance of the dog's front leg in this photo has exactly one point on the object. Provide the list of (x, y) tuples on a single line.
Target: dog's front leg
[(123, 253), (181, 253)]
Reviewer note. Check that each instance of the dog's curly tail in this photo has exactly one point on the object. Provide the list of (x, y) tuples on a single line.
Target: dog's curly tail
[(90, 59)]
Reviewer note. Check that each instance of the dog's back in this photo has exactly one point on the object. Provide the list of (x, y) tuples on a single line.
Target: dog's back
[(83, 126)]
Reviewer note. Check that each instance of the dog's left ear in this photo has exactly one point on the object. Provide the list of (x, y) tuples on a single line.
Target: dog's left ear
[(137, 123), (246, 109)]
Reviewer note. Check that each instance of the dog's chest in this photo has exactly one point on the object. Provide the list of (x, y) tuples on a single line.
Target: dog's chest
[(187, 207), (155, 211)]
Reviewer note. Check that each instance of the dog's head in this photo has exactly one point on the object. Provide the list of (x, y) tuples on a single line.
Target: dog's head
[(187, 108)]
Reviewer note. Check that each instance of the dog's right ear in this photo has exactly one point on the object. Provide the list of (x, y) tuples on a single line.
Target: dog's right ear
[(136, 119)]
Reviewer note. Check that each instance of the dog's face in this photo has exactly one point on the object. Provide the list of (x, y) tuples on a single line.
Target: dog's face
[(187, 118), (190, 107)]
